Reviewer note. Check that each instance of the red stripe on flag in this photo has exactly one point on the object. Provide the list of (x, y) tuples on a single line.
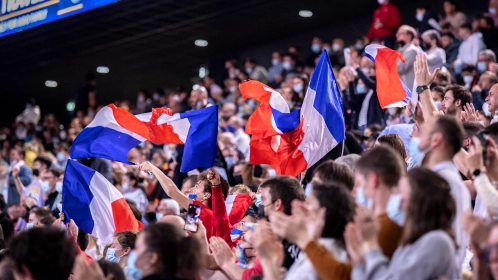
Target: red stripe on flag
[(123, 216), (389, 87)]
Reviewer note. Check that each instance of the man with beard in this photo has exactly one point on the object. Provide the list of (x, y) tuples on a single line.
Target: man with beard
[(455, 98)]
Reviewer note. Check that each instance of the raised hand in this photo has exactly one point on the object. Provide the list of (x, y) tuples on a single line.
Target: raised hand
[(221, 251), (422, 75), (214, 177)]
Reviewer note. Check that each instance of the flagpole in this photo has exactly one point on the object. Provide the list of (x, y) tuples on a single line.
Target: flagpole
[(342, 153)]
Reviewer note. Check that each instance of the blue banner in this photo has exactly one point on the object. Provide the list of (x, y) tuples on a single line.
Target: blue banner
[(18, 15)]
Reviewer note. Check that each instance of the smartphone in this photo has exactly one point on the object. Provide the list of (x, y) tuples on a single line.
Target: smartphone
[(483, 138), (193, 213)]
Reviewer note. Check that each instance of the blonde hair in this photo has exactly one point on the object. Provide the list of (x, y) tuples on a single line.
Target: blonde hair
[(240, 189)]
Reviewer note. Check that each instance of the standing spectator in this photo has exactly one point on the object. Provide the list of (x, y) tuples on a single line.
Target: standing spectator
[(405, 37), (431, 44), (450, 45), (454, 18), (472, 44), (488, 30), (386, 20), (316, 48), (289, 65), (275, 71), (16, 157), (31, 113), (86, 101), (427, 19), (255, 71), (337, 54)]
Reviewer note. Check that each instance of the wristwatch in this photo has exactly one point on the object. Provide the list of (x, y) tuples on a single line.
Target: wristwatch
[(476, 172), (422, 88)]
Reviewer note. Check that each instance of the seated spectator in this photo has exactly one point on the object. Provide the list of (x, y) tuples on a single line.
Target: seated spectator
[(428, 19), (485, 58), (431, 42), (119, 251), (454, 18), (472, 44), (316, 48), (36, 215), (455, 98), (481, 90), (451, 45), (110, 268), (255, 71), (167, 207)]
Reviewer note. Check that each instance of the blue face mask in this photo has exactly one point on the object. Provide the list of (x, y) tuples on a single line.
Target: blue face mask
[(58, 187), (481, 66), (358, 46), (230, 161), (45, 187), (361, 199), (298, 88), (30, 225), (394, 211), (308, 189), (259, 200), (111, 255), (272, 172), (126, 187), (131, 269), (316, 48), (415, 153), (159, 216), (241, 256), (248, 70), (419, 17), (360, 88), (235, 234)]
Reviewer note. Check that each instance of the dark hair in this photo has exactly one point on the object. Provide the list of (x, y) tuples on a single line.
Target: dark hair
[(384, 161), (7, 266), (430, 206), (452, 132), (460, 93), (375, 127), (44, 161), (466, 26), (18, 150), (448, 34), (471, 128), (177, 255), (439, 90), (2, 202), (207, 186), (444, 76), (126, 239), (340, 209), (491, 129), (132, 177), (134, 209), (111, 268), (192, 179), (395, 142), (83, 239), (55, 172), (41, 212), (46, 252), (293, 57), (330, 172), (284, 188)]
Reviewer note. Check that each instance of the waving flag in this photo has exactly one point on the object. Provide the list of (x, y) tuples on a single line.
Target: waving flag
[(94, 204), (291, 142), (115, 131), (391, 91)]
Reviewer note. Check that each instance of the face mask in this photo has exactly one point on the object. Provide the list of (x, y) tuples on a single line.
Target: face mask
[(481, 66), (394, 211), (360, 88), (36, 172), (419, 17), (286, 65), (401, 44), (492, 11), (45, 187), (126, 187), (235, 234), (438, 105), (225, 118), (232, 89), (159, 216), (365, 70), (361, 199), (415, 153), (241, 256), (132, 270), (308, 189), (426, 46), (58, 187), (30, 225), (259, 199), (21, 133), (141, 99), (327, 49), (468, 79), (272, 172), (336, 47), (155, 96), (392, 111), (457, 67), (230, 161), (111, 255), (381, 2), (61, 157), (358, 46), (316, 48), (275, 62), (248, 70), (298, 88), (28, 106)]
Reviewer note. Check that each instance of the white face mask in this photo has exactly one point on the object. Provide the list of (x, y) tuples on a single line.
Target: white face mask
[(365, 70), (381, 2), (468, 79), (336, 47), (392, 111), (492, 11), (45, 186)]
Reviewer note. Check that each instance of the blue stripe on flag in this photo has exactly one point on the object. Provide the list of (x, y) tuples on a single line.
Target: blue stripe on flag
[(286, 122), (76, 195), (200, 145), (103, 142), (328, 100)]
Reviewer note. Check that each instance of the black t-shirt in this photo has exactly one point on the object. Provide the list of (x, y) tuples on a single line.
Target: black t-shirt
[(291, 253)]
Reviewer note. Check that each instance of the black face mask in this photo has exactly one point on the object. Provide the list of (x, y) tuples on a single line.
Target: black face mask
[(225, 118), (426, 46), (261, 213), (237, 179), (36, 172), (401, 44)]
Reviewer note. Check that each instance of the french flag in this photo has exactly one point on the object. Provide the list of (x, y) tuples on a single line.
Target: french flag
[(391, 91), (291, 142), (115, 131), (94, 204)]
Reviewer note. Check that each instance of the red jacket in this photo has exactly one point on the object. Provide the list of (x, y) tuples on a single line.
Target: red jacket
[(257, 269), (224, 222), (206, 217), (388, 15)]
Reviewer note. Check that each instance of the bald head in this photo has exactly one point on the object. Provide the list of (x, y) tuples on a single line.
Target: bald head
[(176, 221)]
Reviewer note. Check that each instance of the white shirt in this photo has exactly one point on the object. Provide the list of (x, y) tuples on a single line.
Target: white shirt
[(242, 141), (461, 195), (436, 58), (468, 53), (138, 196)]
